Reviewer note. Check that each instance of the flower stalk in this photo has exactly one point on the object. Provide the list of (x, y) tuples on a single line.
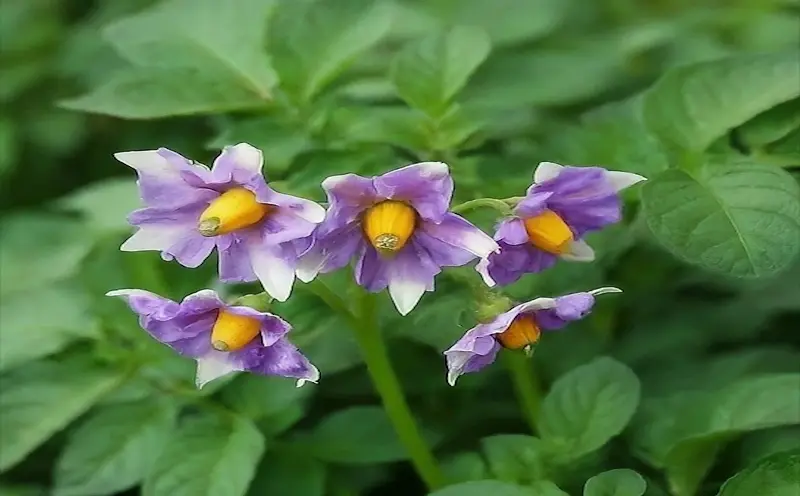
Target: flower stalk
[(526, 387)]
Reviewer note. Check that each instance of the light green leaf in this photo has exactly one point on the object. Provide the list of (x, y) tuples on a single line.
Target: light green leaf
[(690, 107), (770, 126), (776, 475), (313, 41), (114, 449), (279, 142), (506, 21), (430, 72), (464, 467), (152, 93), (740, 218), (357, 435), (619, 482), (28, 333), (36, 249), (747, 405), (514, 457), (41, 399), (105, 204), (213, 455), (761, 444), (288, 472), (256, 396), (545, 488), (482, 488), (588, 406), (204, 36)]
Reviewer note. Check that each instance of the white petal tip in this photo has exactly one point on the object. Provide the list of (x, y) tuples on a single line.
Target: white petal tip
[(546, 171), (579, 251), (621, 180), (313, 378), (604, 290)]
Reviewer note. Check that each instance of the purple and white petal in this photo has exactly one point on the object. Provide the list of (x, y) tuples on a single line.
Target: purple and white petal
[(213, 365), (410, 273), (546, 171), (238, 163), (533, 204), (427, 186), (153, 237), (234, 260), (568, 308), (348, 196), (512, 232), (514, 261), (621, 180), (161, 180), (464, 362), (579, 251), (282, 359), (274, 266), (283, 226), (306, 210), (458, 232), (190, 250)]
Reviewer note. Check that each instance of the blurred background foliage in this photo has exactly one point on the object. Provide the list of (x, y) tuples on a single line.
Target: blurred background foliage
[(702, 97)]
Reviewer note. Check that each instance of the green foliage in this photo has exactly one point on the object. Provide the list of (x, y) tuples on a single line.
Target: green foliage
[(702, 98)]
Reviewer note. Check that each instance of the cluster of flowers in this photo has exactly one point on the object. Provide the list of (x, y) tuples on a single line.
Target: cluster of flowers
[(397, 230)]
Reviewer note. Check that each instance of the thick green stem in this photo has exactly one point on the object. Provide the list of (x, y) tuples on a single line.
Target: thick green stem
[(500, 205), (370, 340), (526, 386)]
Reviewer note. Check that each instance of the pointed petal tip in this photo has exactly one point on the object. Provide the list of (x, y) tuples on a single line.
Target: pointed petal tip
[(604, 290)]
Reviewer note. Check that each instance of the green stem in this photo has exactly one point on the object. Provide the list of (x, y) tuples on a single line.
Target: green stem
[(500, 205), (370, 340), (526, 386)]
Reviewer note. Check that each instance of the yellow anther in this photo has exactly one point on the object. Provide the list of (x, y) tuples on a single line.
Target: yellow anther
[(547, 231), (522, 332), (233, 332), (389, 224), (235, 209)]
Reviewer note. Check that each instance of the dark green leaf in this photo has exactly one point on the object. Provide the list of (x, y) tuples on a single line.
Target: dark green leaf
[(465, 467), (514, 457), (257, 396), (741, 218), (105, 204), (773, 476), (770, 126), (357, 435), (619, 482), (289, 473), (482, 488), (212, 454), (114, 449)]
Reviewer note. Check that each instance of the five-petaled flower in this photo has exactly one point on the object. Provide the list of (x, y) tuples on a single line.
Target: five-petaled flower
[(222, 338), (397, 228), (562, 205), (190, 209), (516, 329)]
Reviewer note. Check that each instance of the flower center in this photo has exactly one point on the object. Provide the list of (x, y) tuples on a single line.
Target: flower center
[(522, 332), (233, 332), (389, 224), (548, 232), (234, 209)]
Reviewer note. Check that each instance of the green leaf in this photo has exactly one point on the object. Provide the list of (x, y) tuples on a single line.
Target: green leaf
[(739, 218), (588, 406), (17, 490), (34, 405), (211, 454), (28, 333), (205, 36), (114, 449), (545, 488), (289, 473), (747, 405), (514, 457), (105, 204), (313, 41), (773, 476), (430, 72), (692, 106), (619, 482), (36, 249), (464, 467), (256, 396), (770, 126), (152, 93), (279, 141), (482, 488), (507, 21), (357, 435)]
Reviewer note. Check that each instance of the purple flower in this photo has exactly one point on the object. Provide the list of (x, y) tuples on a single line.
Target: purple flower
[(222, 338), (562, 205), (397, 229), (516, 329), (258, 232)]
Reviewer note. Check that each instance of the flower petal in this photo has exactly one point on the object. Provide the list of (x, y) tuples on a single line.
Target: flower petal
[(300, 207), (579, 251), (284, 226), (238, 163), (213, 365), (512, 231), (567, 309), (234, 261), (464, 362), (281, 359), (483, 269), (410, 274), (514, 261), (348, 196), (621, 180), (427, 186), (157, 237), (534, 203), (274, 267), (546, 171), (604, 290), (161, 177), (457, 231), (190, 250)]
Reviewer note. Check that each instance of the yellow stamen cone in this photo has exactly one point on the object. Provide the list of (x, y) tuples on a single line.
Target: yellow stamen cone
[(233, 332), (522, 332), (547, 231), (389, 224), (235, 209)]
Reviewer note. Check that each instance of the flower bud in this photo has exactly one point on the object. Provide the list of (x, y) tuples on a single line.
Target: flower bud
[(234, 209), (389, 225)]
